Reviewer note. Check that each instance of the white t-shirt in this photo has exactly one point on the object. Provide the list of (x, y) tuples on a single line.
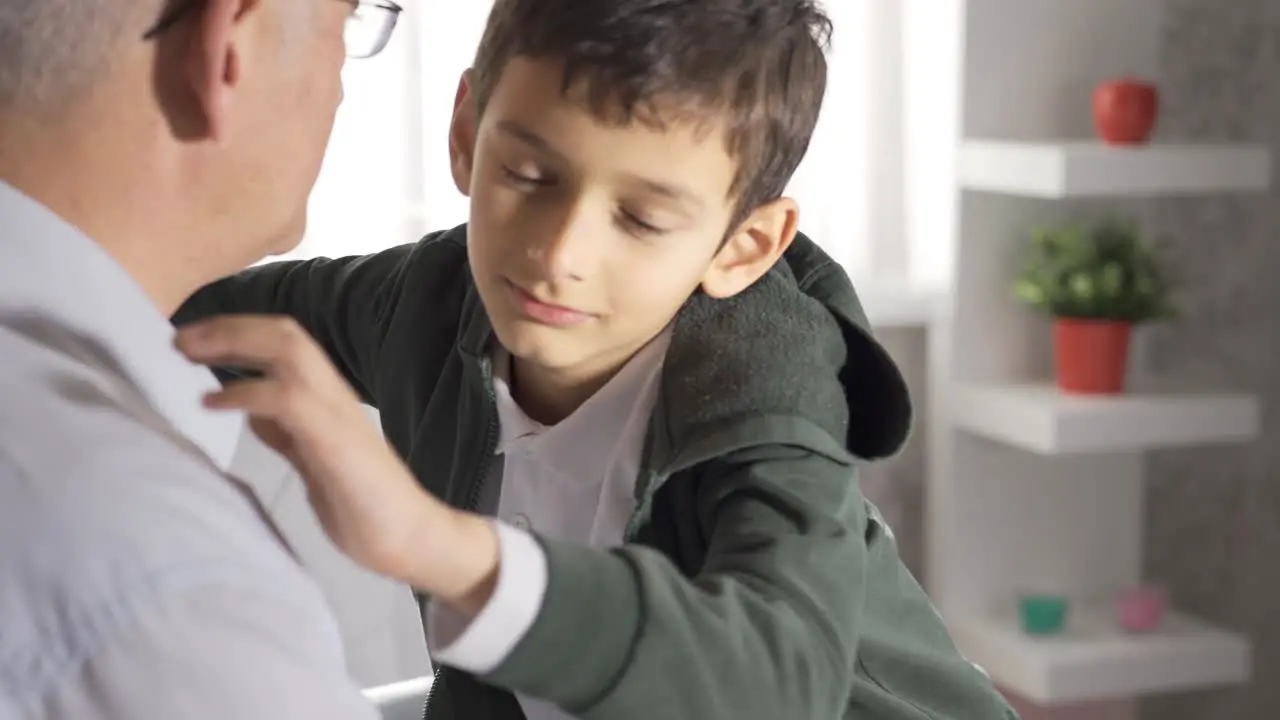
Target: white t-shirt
[(573, 481)]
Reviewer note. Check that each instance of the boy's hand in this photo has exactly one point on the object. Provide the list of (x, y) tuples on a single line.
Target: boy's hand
[(366, 498)]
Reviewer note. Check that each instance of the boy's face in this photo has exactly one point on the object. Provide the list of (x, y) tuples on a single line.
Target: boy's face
[(586, 238)]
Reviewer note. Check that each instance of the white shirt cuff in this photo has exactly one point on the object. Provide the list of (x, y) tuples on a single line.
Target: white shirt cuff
[(480, 644)]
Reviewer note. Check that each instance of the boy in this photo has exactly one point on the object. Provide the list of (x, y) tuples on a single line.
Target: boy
[(629, 354)]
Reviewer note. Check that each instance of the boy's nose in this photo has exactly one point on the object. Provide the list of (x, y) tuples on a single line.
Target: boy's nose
[(566, 250)]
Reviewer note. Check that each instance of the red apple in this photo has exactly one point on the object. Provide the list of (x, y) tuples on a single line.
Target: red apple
[(1124, 111)]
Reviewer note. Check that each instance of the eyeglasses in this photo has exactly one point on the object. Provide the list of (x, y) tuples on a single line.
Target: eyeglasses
[(366, 33), (369, 26)]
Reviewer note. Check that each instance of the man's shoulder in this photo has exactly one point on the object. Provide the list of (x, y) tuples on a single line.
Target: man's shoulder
[(89, 463), (106, 519), (91, 548)]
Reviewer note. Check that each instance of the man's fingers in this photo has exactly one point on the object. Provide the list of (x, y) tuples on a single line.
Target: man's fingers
[(276, 346)]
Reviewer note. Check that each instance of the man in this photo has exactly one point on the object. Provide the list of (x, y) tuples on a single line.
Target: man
[(146, 149)]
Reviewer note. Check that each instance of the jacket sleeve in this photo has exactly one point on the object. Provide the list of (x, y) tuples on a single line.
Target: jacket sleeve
[(768, 629), (344, 303), (772, 627)]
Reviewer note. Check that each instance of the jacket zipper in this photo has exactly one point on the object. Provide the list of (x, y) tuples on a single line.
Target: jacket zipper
[(477, 486)]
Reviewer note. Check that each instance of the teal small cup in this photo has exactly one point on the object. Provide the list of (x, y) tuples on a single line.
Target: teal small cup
[(1042, 615)]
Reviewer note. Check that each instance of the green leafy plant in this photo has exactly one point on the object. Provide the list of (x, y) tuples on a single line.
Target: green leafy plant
[(1105, 271)]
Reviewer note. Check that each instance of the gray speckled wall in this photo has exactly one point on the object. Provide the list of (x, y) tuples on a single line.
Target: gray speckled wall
[(1213, 518)]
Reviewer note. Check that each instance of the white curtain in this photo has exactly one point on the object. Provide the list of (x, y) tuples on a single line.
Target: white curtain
[(386, 178), (833, 184)]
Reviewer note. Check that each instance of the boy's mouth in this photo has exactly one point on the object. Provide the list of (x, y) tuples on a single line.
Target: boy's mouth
[(543, 312)]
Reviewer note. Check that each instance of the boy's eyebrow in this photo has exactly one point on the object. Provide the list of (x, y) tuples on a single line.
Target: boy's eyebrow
[(672, 192), (529, 137), (537, 142)]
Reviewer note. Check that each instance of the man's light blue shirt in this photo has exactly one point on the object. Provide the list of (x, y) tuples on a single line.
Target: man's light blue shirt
[(138, 580)]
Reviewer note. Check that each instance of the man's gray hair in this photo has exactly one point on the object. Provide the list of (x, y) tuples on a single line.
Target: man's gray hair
[(53, 51)]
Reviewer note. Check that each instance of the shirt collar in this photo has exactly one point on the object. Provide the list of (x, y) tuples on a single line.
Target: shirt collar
[(50, 269), (598, 424)]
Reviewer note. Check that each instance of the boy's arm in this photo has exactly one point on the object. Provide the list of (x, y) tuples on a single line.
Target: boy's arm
[(772, 626), (343, 303), (801, 606)]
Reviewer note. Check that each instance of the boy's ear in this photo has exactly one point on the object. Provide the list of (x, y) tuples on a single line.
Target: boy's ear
[(462, 134), (752, 249)]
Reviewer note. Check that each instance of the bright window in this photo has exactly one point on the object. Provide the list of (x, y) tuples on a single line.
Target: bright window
[(386, 177)]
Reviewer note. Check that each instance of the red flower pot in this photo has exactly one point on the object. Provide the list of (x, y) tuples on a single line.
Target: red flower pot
[(1092, 355), (1124, 111)]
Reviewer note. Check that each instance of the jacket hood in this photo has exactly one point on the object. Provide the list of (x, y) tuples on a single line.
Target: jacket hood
[(795, 347)]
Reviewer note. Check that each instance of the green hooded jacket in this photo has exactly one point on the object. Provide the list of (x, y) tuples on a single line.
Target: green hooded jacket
[(755, 582)]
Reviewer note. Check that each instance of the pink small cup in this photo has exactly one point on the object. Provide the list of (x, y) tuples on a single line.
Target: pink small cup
[(1142, 609)]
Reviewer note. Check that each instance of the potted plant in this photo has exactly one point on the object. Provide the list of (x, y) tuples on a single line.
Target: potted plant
[(1097, 282)]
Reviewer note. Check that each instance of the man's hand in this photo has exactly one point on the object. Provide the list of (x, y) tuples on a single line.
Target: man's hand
[(366, 498)]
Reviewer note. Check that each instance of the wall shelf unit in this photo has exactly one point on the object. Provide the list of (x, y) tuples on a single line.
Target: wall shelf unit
[(1094, 660), (1038, 418), (1092, 169), (1028, 487)]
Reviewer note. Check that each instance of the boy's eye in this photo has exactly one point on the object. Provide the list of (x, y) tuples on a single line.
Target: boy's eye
[(638, 226), (523, 179)]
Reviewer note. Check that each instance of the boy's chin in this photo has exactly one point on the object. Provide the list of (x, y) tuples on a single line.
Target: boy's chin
[(546, 347)]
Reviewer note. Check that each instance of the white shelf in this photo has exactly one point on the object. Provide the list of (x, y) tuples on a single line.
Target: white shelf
[(1082, 169), (1043, 420), (1095, 660)]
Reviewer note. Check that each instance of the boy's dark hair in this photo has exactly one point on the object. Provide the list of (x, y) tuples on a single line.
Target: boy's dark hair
[(760, 64)]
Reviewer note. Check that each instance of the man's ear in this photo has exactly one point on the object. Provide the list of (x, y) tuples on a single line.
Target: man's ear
[(752, 249), (462, 134), (217, 58)]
